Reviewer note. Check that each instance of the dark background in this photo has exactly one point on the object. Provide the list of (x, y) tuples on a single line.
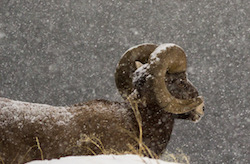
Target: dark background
[(62, 52)]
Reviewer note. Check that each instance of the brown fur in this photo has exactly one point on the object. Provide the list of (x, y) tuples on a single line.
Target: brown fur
[(98, 118), (102, 119)]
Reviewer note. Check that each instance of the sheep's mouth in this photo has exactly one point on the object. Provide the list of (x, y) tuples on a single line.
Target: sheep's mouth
[(198, 113)]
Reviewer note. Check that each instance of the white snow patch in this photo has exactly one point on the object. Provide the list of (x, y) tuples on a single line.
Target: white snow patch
[(161, 48), (102, 159), (16, 112), (140, 72)]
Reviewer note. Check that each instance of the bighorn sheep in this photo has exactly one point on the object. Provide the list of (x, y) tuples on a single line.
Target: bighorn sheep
[(152, 75)]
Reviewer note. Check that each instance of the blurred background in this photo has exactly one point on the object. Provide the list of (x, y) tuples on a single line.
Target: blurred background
[(62, 52)]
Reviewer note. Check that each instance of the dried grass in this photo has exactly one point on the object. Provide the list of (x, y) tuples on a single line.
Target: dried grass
[(29, 150), (1, 159), (178, 157)]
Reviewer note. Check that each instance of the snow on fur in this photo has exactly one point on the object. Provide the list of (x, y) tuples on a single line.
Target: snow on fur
[(16, 111)]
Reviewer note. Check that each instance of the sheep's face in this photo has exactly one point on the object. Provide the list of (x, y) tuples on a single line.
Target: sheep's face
[(181, 88)]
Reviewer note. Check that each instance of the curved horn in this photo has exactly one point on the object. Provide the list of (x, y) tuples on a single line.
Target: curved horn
[(126, 67), (172, 59)]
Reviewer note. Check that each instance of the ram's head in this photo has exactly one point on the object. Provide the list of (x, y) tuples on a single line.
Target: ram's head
[(156, 75)]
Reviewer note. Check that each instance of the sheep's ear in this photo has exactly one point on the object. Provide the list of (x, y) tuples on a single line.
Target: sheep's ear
[(126, 67), (138, 64)]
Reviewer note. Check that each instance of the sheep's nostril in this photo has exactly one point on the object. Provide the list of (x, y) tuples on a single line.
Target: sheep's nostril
[(203, 108)]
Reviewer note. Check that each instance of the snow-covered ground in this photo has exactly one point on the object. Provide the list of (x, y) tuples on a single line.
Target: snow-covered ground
[(102, 159)]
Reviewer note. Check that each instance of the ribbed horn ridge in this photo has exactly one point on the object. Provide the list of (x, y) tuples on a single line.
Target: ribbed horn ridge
[(172, 59), (126, 67)]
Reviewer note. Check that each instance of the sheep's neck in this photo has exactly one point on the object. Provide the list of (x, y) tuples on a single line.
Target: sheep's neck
[(157, 126)]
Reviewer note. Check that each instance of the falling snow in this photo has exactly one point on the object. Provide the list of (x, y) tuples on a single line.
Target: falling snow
[(65, 52)]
